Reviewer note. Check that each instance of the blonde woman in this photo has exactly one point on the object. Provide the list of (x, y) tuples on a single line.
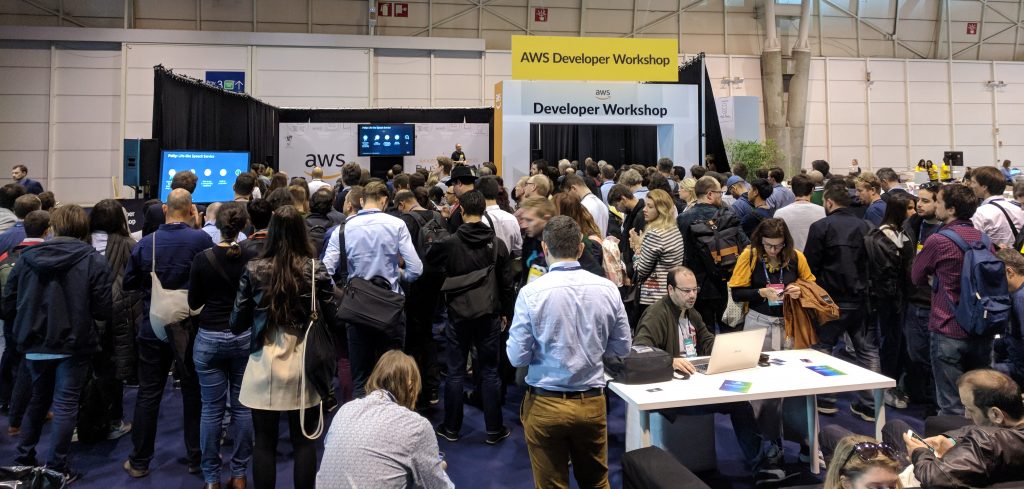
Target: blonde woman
[(860, 462), (379, 440), (687, 193), (657, 249)]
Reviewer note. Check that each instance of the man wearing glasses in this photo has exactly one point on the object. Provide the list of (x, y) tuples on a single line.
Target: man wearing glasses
[(672, 324), (712, 300)]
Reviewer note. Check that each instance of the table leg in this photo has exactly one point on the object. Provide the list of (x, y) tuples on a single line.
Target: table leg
[(879, 412), (812, 431), (638, 428)]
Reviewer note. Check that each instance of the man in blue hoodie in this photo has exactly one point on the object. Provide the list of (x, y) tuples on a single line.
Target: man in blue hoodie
[(177, 243), (54, 295)]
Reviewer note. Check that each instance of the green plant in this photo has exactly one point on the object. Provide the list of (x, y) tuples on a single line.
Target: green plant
[(754, 154)]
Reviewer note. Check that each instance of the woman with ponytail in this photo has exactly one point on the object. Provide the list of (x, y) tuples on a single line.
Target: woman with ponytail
[(219, 354)]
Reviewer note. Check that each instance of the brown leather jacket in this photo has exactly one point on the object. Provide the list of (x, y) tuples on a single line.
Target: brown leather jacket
[(813, 307), (983, 455)]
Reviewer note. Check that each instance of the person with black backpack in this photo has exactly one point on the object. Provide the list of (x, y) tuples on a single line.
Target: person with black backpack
[(712, 240), (962, 324), (479, 290), (889, 254), (318, 221)]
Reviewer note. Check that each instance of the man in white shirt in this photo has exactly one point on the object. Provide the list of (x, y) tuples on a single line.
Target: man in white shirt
[(802, 212), (996, 216), (506, 226), (598, 210), (318, 180)]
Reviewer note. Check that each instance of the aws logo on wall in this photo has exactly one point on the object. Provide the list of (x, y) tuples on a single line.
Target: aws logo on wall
[(603, 94)]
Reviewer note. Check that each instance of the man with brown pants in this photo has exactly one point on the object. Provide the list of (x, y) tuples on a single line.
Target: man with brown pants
[(565, 321)]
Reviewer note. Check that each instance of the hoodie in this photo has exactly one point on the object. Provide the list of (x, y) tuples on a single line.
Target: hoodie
[(466, 251), (55, 293)]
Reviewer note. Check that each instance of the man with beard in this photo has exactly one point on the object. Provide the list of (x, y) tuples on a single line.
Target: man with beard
[(919, 228)]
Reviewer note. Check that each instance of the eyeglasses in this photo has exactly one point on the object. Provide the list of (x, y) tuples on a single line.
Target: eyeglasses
[(929, 186), (695, 290), (770, 246), (867, 452)]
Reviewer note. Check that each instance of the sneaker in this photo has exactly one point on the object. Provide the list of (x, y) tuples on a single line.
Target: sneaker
[(74, 436), (771, 476), (863, 411), (120, 429), (192, 467), (495, 438), (895, 398), (446, 433), (435, 397), (133, 472), (805, 456), (827, 406)]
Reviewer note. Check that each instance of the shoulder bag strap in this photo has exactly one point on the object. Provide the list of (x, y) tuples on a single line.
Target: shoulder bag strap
[(305, 347), (1009, 220), (152, 259), (215, 263)]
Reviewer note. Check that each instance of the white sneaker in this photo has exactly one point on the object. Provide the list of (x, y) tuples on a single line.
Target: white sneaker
[(123, 428), (893, 399)]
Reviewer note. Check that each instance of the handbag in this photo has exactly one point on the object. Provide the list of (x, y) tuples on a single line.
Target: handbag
[(735, 312), (474, 294), (642, 365), (372, 306), (20, 476), (166, 306), (318, 362)]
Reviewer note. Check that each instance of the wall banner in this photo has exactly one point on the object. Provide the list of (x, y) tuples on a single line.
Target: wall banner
[(594, 58)]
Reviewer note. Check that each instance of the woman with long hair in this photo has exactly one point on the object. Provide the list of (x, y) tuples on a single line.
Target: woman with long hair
[(687, 192), (886, 287), (568, 204), (379, 440), (657, 249), (219, 354), (279, 180), (108, 226), (274, 300), (859, 462)]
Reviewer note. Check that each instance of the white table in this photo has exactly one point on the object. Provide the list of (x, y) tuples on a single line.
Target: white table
[(777, 381)]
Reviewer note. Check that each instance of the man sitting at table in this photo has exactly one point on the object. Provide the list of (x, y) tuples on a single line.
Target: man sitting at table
[(673, 325)]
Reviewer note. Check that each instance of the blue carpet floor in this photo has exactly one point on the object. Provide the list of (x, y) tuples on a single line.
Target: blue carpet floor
[(471, 462)]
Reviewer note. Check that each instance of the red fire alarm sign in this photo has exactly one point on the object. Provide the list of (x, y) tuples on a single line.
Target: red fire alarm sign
[(400, 10), (540, 14), (972, 28)]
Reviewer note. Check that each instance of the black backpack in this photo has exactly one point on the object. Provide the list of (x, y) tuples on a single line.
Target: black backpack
[(886, 264), (317, 233), (474, 294), (430, 231), (717, 247)]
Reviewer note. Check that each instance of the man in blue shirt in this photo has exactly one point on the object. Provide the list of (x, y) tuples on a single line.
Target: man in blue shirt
[(869, 192), (20, 175), (177, 243), (374, 244), (14, 236), (565, 321), (781, 196)]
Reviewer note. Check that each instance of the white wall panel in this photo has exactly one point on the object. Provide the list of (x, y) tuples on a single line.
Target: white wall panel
[(894, 157), (849, 135), (23, 136), (24, 108), (16, 80), (974, 114), (849, 113), (888, 113), (888, 91), (930, 135), (929, 114)]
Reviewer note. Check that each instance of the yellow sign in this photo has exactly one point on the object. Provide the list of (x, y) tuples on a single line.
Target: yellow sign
[(594, 58)]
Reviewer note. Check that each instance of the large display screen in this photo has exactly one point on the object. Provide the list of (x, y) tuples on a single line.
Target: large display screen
[(216, 171), (387, 139)]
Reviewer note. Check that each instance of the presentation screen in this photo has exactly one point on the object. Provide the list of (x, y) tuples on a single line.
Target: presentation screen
[(216, 171), (387, 139)]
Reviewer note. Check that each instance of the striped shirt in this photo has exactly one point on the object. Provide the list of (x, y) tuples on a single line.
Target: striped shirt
[(942, 259), (661, 250)]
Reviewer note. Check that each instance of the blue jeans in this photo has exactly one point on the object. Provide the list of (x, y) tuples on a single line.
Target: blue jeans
[(950, 359), (919, 352), (220, 359), (484, 334), (60, 382), (365, 347)]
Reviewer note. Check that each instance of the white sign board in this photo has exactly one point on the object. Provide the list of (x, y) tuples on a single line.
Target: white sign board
[(671, 107), (304, 146)]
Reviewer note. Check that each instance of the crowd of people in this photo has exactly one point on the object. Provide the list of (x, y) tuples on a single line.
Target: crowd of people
[(301, 298)]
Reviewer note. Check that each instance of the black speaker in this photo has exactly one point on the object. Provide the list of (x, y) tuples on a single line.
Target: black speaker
[(954, 158), (141, 162)]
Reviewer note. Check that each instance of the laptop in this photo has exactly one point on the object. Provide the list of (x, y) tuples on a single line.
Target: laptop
[(732, 351)]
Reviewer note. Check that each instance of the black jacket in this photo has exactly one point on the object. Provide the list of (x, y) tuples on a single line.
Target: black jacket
[(919, 295), (983, 455), (466, 251), (54, 295), (712, 287), (635, 220), (318, 224), (128, 308), (252, 305), (835, 252)]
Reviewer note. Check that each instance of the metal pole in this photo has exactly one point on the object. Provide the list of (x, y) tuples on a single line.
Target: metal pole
[(701, 91)]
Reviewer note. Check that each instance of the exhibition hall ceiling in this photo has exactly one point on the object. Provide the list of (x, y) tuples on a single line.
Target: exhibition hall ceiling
[(967, 29)]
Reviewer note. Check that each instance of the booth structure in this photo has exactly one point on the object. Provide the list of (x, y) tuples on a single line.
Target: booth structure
[(673, 108)]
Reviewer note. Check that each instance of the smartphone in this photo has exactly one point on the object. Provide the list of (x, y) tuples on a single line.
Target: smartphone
[(918, 438)]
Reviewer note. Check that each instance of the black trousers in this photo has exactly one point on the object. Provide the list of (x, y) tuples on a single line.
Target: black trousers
[(155, 359), (266, 431)]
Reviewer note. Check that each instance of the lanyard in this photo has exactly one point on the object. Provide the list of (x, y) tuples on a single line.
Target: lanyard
[(766, 277), (565, 269)]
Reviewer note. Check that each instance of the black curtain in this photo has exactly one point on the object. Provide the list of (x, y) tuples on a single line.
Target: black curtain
[(616, 144), (191, 115), (690, 74)]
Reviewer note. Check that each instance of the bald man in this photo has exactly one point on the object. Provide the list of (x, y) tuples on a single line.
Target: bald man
[(318, 180), (177, 243)]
